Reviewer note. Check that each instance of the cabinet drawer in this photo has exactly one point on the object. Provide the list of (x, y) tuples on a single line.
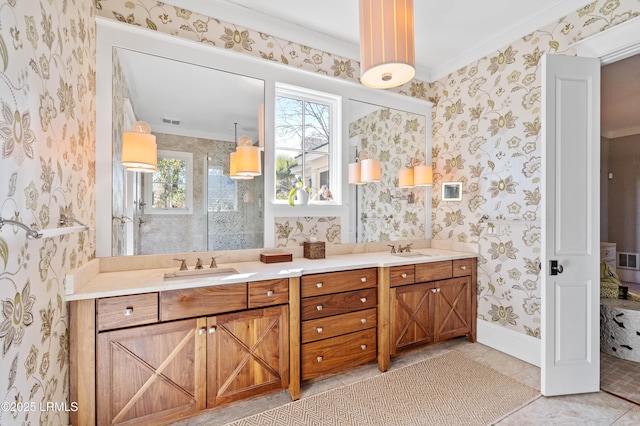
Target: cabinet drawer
[(323, 328), (267, 293), (201, 301), (462, 267), (126, 311), (401, 275), (338, 353), (433, 271), (333, 282), (335, 304)]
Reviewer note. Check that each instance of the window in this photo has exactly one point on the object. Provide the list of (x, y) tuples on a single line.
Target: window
[(306, 133), (169, 189)]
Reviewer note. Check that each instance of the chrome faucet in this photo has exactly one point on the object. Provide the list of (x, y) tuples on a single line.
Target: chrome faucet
[(183, 265)]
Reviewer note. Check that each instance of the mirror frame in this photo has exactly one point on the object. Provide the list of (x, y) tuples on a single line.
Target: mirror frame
[(111, 33)]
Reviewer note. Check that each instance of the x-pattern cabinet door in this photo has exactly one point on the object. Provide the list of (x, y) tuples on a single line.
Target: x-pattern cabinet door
[(452, 308), (248, 353), (151, 373), (412, 312)]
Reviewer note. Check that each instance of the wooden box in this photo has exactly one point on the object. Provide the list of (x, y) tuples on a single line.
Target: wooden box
[(313, 250), (275, 257)]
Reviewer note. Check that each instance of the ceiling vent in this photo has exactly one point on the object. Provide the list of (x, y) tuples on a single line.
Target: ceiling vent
[(170, 121)]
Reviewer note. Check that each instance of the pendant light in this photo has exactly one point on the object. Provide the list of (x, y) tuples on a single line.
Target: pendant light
[(387, 52), (139, 149), (245, 162)]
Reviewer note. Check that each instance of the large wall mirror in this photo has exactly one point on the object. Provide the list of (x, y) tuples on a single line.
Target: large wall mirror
[(163, 80), (197, 113)]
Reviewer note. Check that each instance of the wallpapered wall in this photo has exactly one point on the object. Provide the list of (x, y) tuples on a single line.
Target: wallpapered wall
[(395, 138), (47, 167), (486, 134), (118, 202)]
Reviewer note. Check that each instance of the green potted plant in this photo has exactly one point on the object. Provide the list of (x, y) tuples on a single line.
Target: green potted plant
[(299, 192)]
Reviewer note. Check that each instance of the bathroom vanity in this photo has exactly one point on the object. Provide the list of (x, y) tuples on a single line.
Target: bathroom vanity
[(149, 349)]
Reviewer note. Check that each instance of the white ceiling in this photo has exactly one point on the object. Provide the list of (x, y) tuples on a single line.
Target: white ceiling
[(449, 35)]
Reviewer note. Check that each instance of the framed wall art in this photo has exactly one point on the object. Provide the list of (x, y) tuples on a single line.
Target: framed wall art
[(451, 191)]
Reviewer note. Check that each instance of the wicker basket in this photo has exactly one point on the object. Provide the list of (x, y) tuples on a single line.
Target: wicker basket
[(313, 250)]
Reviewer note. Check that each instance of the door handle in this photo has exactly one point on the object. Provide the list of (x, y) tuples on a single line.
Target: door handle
[(555, 268)]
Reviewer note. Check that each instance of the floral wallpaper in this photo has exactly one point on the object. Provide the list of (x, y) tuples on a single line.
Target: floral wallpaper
[(486, 134), (395, 138), (47, 168), (293, 231), (121, 95)]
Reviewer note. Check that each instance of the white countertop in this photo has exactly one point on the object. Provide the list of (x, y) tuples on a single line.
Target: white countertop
[(120, 283)]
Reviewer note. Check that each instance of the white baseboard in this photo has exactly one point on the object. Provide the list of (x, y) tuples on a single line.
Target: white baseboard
[(511, 342)]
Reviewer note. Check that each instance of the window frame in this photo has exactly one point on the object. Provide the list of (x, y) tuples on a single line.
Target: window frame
[(148, 184), (334, 152)]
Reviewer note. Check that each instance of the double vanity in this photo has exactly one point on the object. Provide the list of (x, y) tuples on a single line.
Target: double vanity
[(149, 345)]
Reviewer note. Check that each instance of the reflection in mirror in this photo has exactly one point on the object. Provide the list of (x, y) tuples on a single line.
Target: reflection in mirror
[(383, 211), (186, 205)]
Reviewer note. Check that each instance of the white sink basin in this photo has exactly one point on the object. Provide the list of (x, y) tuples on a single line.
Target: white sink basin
[(411, 254), (194, 273)]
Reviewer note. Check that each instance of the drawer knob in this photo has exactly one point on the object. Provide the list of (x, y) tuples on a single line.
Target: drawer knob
[(319, 359), (363, 320), (363, 299), (319, 329), (404, 275), (319, 307), (128, 312), (363, 347), (433, 290), (212, 329), (438, 289), (463, 267), (363, 279), (319, 285), (203, 330), (270, 293)]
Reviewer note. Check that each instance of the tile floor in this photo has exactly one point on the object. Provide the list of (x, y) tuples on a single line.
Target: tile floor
[(620, 377), (588, 409)]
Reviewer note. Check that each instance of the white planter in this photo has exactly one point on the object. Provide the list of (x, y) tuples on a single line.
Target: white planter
[(302, 197)]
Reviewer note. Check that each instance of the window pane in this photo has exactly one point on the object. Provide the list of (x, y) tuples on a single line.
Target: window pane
[(289, 126), (315, 165), (317, 131), (288, 168)]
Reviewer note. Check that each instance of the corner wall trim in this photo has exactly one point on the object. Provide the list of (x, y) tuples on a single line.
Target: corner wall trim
[(511, 342)]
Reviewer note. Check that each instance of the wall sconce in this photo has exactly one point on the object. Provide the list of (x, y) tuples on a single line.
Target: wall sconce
[(410, 198), (387, 52), (245, 162), (139, 149), (364, 170), (415, 175)]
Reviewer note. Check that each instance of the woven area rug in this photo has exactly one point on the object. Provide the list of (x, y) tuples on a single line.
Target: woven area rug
[(448, 389)]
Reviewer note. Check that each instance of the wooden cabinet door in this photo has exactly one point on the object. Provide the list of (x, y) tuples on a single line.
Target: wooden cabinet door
[(152, 373), (452, 308), (247, 354), (411, 316)]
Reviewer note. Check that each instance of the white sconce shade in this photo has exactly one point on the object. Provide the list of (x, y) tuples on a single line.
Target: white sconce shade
[(387, 52), (232, 168), (355, 174), (370, 170), (405, 178), (139, 149), (423, 175), (247, 161)]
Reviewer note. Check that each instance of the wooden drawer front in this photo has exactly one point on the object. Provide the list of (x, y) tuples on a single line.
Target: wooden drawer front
[(433, 271), (201, 301), (323, 328), (334, 282), (402, 275), (126, 311), (462, 267), (268, 293), (336, 304), (338, 353)]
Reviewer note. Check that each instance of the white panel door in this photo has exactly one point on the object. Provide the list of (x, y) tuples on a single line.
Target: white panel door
[(571, 225)]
